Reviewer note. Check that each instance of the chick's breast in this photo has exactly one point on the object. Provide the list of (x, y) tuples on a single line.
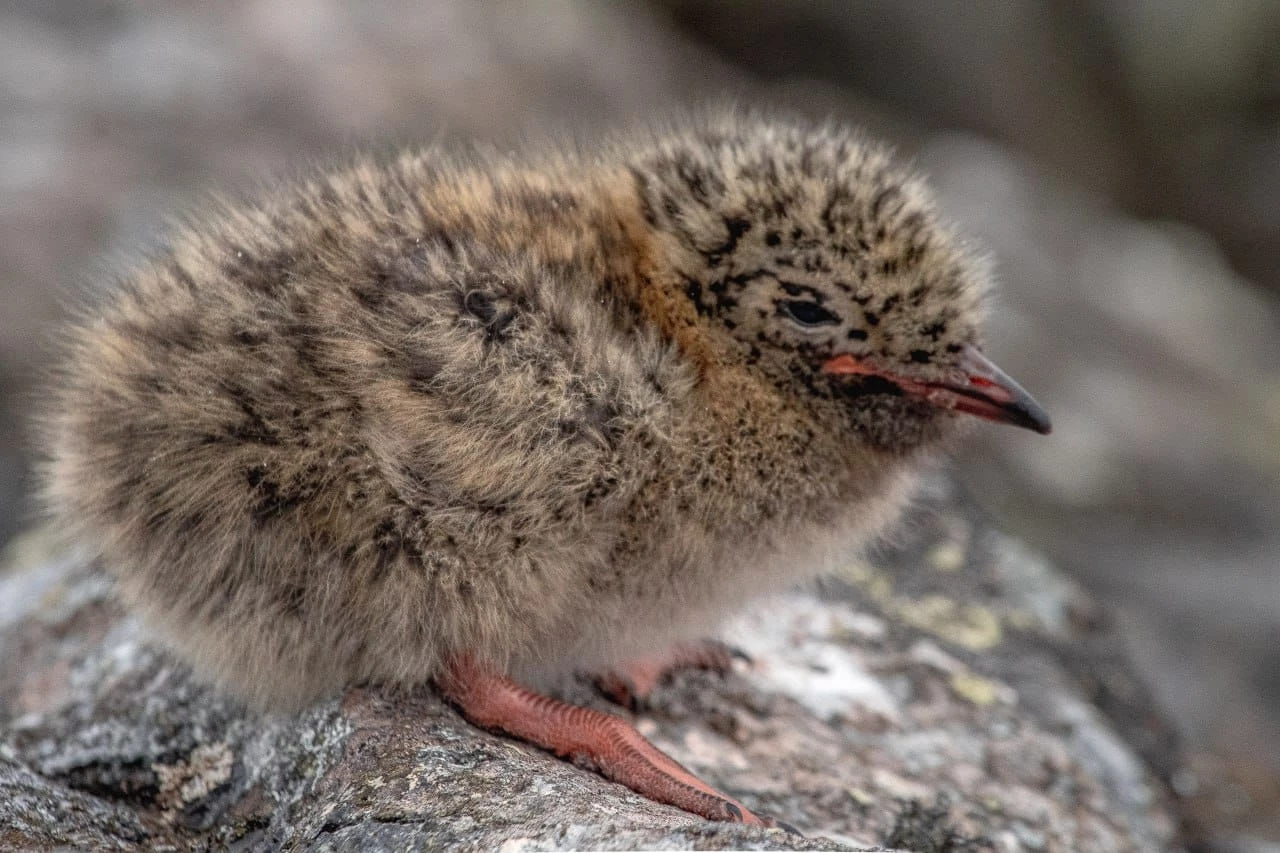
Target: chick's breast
[(319, 446)]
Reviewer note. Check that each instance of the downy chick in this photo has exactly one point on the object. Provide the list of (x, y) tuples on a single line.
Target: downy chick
[(490, 420)]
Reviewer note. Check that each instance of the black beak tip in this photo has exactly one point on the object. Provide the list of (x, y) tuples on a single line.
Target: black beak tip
[(991, 384), (1029, 414), (1043, 426)]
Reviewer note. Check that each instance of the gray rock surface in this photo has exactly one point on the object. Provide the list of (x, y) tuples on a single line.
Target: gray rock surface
[(953, 692)]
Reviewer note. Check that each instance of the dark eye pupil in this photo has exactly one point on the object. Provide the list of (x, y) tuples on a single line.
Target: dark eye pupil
[(808, 313)]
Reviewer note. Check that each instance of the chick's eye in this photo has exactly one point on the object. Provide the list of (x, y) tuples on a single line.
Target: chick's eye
[(807, 313)]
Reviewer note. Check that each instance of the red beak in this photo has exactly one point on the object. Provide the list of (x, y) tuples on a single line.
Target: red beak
[(979, 388)]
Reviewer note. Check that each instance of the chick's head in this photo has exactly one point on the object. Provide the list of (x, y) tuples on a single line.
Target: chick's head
[(813, 259)]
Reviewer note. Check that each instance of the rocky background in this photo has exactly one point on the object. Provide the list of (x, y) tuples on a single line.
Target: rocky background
[(1121, 160)]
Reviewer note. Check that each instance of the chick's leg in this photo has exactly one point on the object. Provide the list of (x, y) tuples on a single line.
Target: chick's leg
[(630, 684), (606, 743)]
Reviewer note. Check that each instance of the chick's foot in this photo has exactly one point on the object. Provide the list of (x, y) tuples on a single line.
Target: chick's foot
[(588, 737)]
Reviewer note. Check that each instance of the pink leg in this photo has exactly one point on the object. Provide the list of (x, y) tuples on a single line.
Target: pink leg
[(631, 684), (607, 743)]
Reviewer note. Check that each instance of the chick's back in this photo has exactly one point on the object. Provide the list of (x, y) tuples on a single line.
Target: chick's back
[(384, 415)]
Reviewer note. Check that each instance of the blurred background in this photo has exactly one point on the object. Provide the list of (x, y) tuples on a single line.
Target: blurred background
[(1121, 160)]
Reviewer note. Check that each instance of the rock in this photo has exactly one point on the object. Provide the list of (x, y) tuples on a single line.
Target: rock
[(952, 693)]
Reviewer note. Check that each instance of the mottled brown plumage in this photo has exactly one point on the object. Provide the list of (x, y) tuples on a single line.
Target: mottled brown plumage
[(548, 413)]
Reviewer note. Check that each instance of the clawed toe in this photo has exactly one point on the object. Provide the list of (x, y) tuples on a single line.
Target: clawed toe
[(736, 814)]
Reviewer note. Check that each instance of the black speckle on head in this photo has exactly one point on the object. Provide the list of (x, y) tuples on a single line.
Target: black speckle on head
[(920, 356), (857, 334), (725, 292), (700, 181), (735, 227), (934, 330), (835, 217), (693, 290)]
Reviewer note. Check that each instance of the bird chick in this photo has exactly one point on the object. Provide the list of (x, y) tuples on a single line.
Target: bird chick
[(488, 420)]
